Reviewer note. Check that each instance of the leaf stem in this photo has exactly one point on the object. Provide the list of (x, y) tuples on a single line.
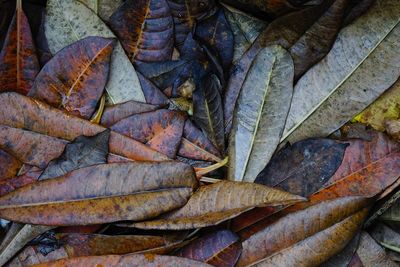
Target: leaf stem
[(203, 171)]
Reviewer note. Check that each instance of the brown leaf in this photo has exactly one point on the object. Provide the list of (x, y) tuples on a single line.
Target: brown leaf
[(393, 128), (32, 255), (18, 62), (28, 176), (9, 165), (77, 245), (145, 28), (23, 112), (218, 202), (185, 14), (221, 248), (75, 77), (149, 260), (324, 228), (195, 145), (161, 129), (115, 113), (102, 193), (30, 147)]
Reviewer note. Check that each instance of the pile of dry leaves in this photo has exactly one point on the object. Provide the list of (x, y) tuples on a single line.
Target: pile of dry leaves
[(200, 133)]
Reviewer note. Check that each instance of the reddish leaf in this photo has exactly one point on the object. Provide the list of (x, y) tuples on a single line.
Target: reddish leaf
[(75, 77), (115, 113), (18, 62), (32, 255), (9, 165), (220, 248), (27, 177), (195, 145), (365, 154), (161, 129), (23, 112), (186, 13), (145, 28), (30, 147)]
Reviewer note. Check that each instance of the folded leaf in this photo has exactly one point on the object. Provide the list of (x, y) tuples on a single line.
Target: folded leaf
[(152, 94), (260, 113), (82, 152), (115, 113), (207, 109), (219, 248), (218, 202), (18, 62), (303, 167), (386, 107), (9, 165), (125, 260), (351, 80), (125, 191), (23, 112), (145, 28), (75, 77), (292, 236), (161, 129), (69, 21)]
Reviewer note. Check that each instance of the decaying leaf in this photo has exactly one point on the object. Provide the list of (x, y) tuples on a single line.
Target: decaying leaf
[(307, 237), (23, 112), (386, 237), (260, 114), (104, 8), (152, 94), (145, 28), (186, 13), (161, 129), (371, 254), (125, 260), (17, 238), (121, 188), (18, 61), (9, 165), (386, 107), (219, 248), (75, 77), (245, 29), (196, 145), (69, 21), (82, 152), (30, 147), (218, 202), (351, 80), (393, 128), (28, 175), (207, 109), (304, 167), (215, 32), (115, 113), (32, 255)]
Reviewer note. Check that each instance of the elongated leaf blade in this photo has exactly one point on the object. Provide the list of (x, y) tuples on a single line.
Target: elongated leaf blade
[(339, 87), (260, 113)]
